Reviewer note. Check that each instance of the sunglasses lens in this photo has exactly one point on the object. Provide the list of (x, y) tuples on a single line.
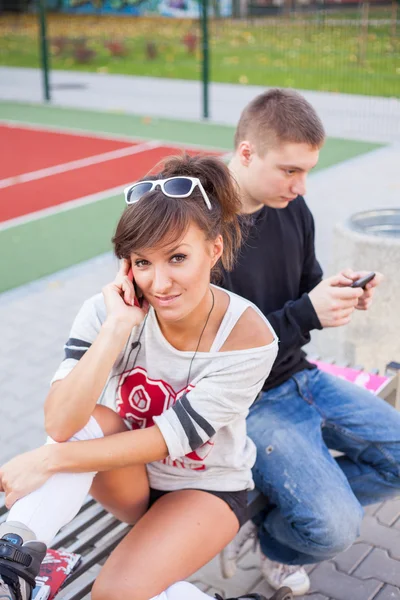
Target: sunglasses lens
[(179, 186), (137, 191)]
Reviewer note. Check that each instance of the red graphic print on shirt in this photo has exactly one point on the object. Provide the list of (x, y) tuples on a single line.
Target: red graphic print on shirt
[(140, 398)]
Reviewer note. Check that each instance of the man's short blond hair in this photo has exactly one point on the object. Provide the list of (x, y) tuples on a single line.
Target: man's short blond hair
[(276, 117)]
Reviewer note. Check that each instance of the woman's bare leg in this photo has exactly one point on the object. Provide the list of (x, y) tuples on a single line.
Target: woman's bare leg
[(179, 534), (123, 492)]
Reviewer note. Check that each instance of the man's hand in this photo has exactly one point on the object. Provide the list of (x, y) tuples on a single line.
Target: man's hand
[(334, 300), (365, 301)]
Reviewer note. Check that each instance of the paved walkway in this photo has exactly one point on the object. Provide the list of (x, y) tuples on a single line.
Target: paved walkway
[(344, 115)]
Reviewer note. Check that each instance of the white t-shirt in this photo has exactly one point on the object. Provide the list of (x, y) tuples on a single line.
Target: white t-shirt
[(203, 422)]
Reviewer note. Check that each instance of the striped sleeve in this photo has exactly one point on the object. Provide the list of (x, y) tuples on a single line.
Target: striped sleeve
[(75, 348), (84, 331), (216, 401)]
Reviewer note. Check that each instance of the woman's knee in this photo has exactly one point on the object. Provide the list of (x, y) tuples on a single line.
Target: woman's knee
[(109, 421), (126, 509)]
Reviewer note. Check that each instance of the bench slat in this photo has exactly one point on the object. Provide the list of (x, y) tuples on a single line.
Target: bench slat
[(90, 514), (99, 552), (94, 535), (81, 586)]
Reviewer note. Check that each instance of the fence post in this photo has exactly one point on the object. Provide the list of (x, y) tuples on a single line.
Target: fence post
[(205, 57), (44, 52)]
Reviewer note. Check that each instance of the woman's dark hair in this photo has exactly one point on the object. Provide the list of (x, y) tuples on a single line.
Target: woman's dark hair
[(157, 220)]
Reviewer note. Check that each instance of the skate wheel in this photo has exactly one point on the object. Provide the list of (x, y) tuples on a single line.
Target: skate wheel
[(284, 593)]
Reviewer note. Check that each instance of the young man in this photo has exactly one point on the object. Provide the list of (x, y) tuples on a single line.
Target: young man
[(315, 500)]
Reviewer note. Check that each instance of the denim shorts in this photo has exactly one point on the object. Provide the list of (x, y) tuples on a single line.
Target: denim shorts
[(237, 501)]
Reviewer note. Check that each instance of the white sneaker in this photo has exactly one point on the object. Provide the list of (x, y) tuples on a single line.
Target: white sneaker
[(230, 554), (280, 575)]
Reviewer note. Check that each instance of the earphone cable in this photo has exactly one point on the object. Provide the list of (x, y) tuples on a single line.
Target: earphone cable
[(134, 345), (201, 335)]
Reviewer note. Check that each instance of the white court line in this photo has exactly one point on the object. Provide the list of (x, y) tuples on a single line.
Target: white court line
[(104, 135), (70, 205), (76, 164), (65, 206)]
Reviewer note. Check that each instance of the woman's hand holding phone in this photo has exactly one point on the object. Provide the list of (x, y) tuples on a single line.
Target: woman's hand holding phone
[(120, 298)]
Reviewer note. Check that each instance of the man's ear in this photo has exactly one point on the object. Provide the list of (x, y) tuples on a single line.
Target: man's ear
[(245, 151)]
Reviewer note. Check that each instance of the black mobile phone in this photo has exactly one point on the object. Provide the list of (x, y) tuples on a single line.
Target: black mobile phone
[(362, 282), (138, 292)]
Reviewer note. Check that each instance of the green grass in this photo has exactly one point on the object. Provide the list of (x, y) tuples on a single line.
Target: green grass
[(315, 53)]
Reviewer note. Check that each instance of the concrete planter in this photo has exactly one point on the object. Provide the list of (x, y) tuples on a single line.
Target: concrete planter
[(369, 241)]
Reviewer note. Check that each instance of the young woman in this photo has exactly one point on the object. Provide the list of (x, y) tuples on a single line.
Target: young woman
[(148, 408)]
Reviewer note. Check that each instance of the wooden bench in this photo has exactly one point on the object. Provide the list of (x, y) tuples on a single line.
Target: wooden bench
[(94, 533)]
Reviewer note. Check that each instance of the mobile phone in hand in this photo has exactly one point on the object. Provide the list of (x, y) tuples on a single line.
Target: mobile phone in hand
[(362, 282), (138, 295), (138, 292)]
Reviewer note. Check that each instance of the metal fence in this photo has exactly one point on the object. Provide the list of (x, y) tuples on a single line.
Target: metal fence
[(309, 46), (336, 50)]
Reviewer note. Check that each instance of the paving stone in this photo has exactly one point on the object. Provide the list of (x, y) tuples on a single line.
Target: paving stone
[(261, 587), (310, 568), (313, 597), (379, 564), (5, 427), (249, 557), (350, 559), (388, 512), (327, 581), (24, 385), (22, 438), (379, 535), (240, 583), (388, 592), (35, 419), (6, 454), (371, 509), (201, 585)]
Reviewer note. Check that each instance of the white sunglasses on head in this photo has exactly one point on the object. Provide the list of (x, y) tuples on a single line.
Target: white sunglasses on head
[(179, 186)]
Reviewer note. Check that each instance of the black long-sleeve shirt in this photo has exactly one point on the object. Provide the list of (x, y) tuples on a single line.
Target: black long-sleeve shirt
[(276, 269)]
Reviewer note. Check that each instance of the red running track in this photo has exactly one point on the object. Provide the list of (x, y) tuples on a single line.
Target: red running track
[(24, 150)]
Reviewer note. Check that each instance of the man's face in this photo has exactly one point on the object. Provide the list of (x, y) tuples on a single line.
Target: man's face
[(276, 178)]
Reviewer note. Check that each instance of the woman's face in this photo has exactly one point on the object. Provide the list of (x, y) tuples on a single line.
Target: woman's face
[(175, 278)]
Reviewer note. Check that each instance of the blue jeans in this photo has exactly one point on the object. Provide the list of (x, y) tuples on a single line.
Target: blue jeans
[(316, 500)]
